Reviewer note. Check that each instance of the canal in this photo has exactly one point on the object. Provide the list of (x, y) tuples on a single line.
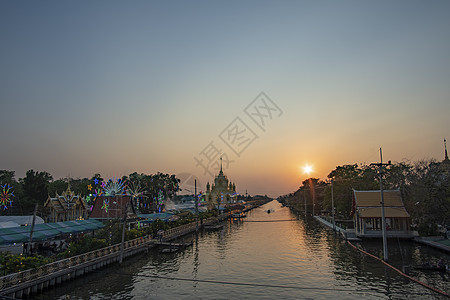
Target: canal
[(265, 256)]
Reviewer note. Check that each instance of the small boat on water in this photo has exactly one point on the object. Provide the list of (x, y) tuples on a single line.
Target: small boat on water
[(170, 250), (431, 267), (213, 227), (172, 247), (238, 215)]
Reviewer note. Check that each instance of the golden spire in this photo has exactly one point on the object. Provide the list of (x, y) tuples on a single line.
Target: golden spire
[(221, 172)]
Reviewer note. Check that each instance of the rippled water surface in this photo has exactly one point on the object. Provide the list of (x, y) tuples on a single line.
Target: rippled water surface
[(265, 256)]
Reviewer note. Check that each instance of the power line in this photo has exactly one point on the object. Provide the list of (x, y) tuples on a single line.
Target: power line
[(269, 221), (400, 272), (260, 284)]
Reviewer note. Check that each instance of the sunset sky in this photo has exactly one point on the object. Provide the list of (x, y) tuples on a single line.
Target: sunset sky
[(114, 87)]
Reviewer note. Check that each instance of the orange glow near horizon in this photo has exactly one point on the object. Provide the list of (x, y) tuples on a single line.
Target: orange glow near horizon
[(307, 169)]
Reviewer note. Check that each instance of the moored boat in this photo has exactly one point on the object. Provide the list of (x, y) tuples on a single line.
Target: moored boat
[(238, 215), (442, 267), (213, 227)]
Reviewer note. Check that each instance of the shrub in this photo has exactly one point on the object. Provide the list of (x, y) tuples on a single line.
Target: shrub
[(85, 244), (11, 263)]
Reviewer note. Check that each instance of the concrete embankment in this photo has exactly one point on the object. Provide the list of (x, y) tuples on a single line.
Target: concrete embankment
[(435, 242), (26, 283), (345, 233)]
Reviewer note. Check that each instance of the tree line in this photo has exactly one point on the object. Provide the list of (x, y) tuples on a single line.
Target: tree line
[(37, 186), (424, 186)]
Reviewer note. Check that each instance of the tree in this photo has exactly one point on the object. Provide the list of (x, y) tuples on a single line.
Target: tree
[(7, 177), (396, 175), (152, 186), (427, 194), (57, 187), (35, 189)]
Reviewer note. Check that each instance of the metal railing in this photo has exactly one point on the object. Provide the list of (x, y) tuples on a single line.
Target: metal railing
[(68, 263), (72, 262)]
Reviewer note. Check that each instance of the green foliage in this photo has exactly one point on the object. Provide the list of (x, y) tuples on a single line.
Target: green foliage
[(35, 189), (427, 193), (85, 244), (208, 214), (158, 225), (57, 187), (424, 185), (79, 185), (134, 234), (7, 176), (111, 233), (11, 263), (36, 186), (427, 229), (345, 179), (152, 185)]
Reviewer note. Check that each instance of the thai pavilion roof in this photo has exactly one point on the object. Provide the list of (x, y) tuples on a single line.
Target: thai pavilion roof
[(368, 204)]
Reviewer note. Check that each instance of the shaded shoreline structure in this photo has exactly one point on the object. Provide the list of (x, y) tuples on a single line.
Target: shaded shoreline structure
[(32, 281), (348, 235), (366, 216)]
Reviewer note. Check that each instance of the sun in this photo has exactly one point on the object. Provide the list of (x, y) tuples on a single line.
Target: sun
[(307, 169)]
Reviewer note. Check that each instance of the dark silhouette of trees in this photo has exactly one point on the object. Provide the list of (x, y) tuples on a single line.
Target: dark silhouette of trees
[(35, 189), (424, 185)]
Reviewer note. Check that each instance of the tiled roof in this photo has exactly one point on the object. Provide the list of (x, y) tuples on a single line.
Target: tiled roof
[(389, 212), (373, 198)]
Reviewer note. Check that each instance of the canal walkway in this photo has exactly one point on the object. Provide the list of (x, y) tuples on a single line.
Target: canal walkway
[(348, 234), (435, 242)]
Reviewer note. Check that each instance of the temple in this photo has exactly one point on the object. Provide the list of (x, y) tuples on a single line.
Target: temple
[(221, 192), (66, 207)]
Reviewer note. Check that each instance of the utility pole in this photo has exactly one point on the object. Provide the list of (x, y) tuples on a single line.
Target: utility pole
[(123, 233), (383, 218), (304, 198), (196, 205), (32, 229), (332, 204), (313, 195)]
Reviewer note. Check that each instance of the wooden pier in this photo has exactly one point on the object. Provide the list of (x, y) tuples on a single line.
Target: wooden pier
[(347, 234)]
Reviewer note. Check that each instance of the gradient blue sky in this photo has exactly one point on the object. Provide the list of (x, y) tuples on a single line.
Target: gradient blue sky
[(121, 86)]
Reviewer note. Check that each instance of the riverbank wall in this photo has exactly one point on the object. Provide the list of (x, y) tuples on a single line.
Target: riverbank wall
[(26, 283)]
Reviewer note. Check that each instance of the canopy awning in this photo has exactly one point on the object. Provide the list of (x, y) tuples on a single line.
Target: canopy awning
[(166, 217), (45, 231)]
